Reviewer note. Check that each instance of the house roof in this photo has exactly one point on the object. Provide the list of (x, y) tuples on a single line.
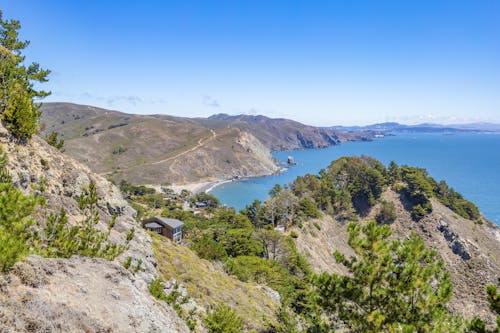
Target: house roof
[(153, 225), (163, 221)]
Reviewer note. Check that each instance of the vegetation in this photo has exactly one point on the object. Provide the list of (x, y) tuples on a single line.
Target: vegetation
[(387, 213), (222, 319), (208, 284), (391, 285), (21, 235), (479, 326), (16, 232), (18, 111), (175, 299), (53, 140), (62, 240)]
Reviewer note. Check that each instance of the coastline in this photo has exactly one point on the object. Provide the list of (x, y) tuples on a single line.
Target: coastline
[(208, 186)]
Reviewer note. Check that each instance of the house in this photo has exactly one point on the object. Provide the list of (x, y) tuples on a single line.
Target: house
[(170, 228)]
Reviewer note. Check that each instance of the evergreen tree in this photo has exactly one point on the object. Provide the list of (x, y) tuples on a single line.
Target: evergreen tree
[(391, 285), (15, 221), (18, 111), (53, 140)]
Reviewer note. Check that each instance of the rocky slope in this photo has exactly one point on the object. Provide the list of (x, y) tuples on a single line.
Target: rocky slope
[(78, 294), (285, 134), (471, 251)]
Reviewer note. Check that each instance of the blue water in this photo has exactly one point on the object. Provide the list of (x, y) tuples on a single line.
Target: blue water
[(470, 163)]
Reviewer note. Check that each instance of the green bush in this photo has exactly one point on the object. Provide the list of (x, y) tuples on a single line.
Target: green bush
[(16, 233), (387, 213), (223, 319), (62, 240), (53, 140), (209, 249), (308, 208)]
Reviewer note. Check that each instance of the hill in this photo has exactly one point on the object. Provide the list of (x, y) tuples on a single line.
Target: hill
[(144, 150), (392, 127), (161, 149), (470, 250), (78, 294), (284, 134)]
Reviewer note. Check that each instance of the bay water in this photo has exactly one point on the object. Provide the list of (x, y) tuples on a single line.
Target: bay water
[(470, 163)]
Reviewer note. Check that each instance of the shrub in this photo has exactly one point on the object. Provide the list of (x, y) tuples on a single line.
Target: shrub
[(223, 319), (53, 140), (387, 213)]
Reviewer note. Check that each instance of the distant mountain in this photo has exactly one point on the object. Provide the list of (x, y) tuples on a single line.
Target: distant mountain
[(147, 150), (392, 127), (276, 133), (158, 149)]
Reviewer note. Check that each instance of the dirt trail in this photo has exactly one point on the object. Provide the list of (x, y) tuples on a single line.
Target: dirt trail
[(201, 142)]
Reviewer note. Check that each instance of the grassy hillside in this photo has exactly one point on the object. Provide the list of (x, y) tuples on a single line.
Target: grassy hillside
[(208, 284), (142, 149)]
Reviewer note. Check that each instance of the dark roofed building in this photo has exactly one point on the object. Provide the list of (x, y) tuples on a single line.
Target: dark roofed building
[(170, 228)]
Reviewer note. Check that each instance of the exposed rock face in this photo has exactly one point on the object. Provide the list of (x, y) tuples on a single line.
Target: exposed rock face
[(285, 134), (471, 251), (229, 153), (78, 294), (454, 242)]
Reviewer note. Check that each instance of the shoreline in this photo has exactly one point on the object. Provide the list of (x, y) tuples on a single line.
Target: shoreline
[(208, 186)]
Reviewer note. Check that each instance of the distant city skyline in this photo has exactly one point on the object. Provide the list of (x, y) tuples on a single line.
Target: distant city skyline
[(322, 63)]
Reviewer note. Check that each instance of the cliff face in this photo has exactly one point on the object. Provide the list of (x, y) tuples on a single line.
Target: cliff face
[(226, 154), (78, 294), (285, 134), (471, 251)]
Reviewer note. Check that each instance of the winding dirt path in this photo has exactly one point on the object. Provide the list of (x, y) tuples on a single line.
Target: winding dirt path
[(200, 144)]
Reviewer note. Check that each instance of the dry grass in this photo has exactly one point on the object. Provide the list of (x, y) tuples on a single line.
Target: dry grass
[(208, 284)]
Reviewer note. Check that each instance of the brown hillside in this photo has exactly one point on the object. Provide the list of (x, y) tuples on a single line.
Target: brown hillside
[(144, 149)]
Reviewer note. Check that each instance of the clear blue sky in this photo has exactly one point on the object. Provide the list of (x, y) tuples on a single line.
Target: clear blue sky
[(320, 62)]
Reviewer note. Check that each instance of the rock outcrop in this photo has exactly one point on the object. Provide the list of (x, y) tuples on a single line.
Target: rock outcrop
[(470, 250), (78, 294)]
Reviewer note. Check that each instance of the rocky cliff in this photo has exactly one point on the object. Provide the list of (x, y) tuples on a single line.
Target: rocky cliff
[(78, 294), (470, 250)]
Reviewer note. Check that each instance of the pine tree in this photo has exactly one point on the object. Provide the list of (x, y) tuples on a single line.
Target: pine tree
[(15, 221), (391, 285), (18, 110), (53, 140)]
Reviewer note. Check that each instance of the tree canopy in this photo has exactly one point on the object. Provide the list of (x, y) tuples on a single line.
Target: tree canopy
[(18, 110), (391, 285)]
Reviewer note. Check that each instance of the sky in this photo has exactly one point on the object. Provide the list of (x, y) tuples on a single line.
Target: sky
[(323, 63)]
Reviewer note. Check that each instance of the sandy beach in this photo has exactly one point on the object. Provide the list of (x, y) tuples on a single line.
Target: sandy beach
[(197, 187)]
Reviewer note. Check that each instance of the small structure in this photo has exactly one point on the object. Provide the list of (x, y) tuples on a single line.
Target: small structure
[(291, 161), (170, 228)]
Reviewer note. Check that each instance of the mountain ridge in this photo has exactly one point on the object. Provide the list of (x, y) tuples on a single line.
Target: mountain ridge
[(394, 127), (162, 149)]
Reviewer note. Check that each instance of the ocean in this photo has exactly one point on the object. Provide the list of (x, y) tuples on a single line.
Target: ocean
[(470, 163)]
